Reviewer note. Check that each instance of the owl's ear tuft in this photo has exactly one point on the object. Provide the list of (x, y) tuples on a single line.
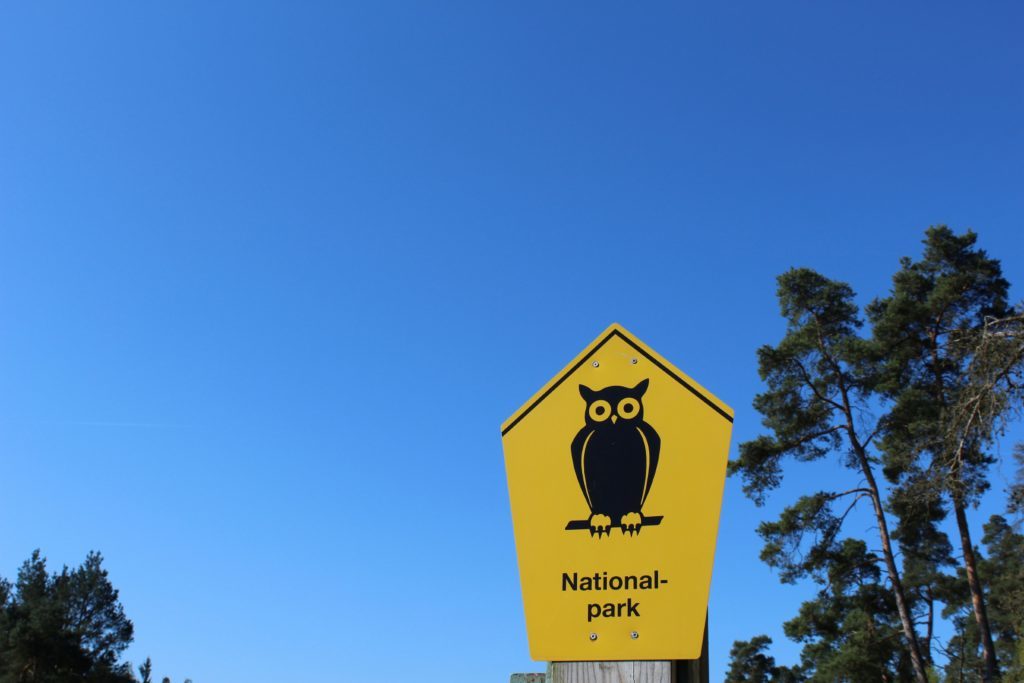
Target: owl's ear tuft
[(639, 389), (587, 393)]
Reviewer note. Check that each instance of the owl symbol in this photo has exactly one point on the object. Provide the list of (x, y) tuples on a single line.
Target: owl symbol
[(615, 455)]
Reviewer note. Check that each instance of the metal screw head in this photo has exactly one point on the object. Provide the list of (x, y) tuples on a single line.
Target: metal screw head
[(593, 636), (634, 635), (596, 364), (633, 361)]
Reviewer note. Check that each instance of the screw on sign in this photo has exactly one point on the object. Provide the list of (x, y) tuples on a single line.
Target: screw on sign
[(615, 471)]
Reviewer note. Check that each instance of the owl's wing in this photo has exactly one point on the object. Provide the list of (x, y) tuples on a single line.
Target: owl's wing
[(653, 449), (577, 448)]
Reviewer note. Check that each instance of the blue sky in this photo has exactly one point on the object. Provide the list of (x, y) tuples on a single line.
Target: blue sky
[(272, 275)]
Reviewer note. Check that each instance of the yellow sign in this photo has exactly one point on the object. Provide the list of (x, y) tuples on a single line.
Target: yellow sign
[(615, 472)]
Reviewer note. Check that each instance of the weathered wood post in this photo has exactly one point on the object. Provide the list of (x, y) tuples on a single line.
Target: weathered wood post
[(609, 672), (683, 671), (615, 471)]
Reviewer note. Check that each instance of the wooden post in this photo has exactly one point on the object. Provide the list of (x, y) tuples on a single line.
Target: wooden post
[(609, 672), (527, 678), (684, 671)]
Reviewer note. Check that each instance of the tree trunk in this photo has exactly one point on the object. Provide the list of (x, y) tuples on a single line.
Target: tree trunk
[(991, 670), (920, 671), (931, 625)]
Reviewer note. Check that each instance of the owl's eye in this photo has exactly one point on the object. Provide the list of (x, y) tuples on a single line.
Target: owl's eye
[(628, 408), (600, 410)]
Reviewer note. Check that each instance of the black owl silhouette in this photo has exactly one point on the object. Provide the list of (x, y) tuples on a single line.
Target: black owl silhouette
[(615, 456)]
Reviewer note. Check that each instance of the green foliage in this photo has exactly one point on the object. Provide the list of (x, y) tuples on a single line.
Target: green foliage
[(925, 336), (749, 664), (802, 541), (1003, 566), (146, 671), (1015, 494), (811, 375), (66, 626), (1004, 569), (926, 550), (949, 380), (63, 626), (851, 629), (820, 378), (922, 399), (925, 547)]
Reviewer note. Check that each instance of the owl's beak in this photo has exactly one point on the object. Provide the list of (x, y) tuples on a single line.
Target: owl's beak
[(615, 418)]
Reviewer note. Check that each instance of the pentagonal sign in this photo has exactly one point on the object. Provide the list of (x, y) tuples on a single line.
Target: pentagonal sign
[(615, 473)]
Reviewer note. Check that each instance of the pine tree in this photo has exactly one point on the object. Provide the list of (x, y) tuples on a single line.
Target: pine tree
[(749, 664), (818, 377), (1015, 494), (927, 333), (61, 627), (926, 553), (146, 671), (1003, 567), (1002, 563)]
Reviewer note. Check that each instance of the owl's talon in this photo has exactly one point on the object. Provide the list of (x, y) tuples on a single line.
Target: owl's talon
[(600, 524), (631, 523)]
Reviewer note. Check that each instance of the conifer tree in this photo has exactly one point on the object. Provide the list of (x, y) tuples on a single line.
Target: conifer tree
[(63, 626), (1003, 568), (819, 377), (1015, 494), (927, 334), (851, 629), (749, 664), (926, 553), (1002, 563), (146, 671)]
